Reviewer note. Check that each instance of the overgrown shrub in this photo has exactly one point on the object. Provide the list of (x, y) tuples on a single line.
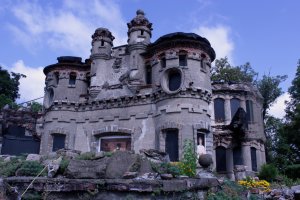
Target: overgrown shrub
[(9, 168), (268, 172), (30, 168), (86, 156), (189, 161), (293, 171), (229, 191), (166, 168), (63, 166)]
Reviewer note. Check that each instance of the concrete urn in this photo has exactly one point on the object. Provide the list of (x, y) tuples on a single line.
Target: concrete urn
[(205, 160)]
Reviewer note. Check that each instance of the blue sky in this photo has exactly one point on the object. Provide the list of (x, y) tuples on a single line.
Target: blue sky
[(264, 33)]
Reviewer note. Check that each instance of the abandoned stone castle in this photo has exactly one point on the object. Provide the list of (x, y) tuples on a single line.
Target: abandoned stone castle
[(145, 95)]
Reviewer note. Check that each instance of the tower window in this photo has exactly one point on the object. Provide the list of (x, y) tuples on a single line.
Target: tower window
[(219, 110), (56, 74), (142, 32), (72, 79), (249, 109), (102, 43), (174, 80), (163, 61), (234, 104), (182, 58), (58, 141), (148, 75)]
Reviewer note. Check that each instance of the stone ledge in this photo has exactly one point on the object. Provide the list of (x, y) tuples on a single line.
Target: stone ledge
[(69, 185)]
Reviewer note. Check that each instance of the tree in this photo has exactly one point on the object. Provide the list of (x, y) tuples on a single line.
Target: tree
[(292, 128), (9, 86), (269, 88), (224, 72)]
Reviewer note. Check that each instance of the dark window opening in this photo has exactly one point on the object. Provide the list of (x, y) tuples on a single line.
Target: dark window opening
[(56, 74), (142, 32), (58, 141), (237, 156), (219, 110), (148, 75), (51, 95), (113, 144), (163, 62), (102, 43), (172, 144), (234, 105), (72, 79), (174, 80), (221, 159), (182, 60), (200, 138), (249, 109), (253, 159)]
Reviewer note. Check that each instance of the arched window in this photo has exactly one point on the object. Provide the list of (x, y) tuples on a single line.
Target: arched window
[(174, 80), (237, 156), (182, 58), (249, 109), (221, 159), (234, 105), (253, 159), (72, 79), (219, 110), (148, 74)]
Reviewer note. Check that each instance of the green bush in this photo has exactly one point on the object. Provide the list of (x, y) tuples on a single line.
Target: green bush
[(30, 168), (63, 166), (293, 171), (86, 156), (189, 161), (268, 172), (230, 190), (9, 168), (166, 168)]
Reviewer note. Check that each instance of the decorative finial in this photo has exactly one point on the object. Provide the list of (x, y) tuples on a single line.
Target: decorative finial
[(140, 12)]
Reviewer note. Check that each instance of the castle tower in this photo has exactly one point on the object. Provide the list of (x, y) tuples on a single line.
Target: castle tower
[(139, 34), (102, 43)]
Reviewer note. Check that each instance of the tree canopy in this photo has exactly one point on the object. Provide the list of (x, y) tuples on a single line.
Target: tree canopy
[(9, 86)]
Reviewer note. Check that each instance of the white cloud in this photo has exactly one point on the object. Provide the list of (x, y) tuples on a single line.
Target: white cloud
[(219, 37), (68, 27), (32, 86), (277, 109)]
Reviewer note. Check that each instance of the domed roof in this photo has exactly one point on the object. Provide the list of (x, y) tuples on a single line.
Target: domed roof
[(178, 35), (101, 33), (184, 39)]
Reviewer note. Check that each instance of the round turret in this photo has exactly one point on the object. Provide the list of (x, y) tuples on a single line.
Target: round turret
[(139, 29), (102, 43)]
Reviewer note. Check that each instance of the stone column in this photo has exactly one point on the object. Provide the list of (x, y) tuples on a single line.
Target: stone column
[(227, 111), (247, 156), (229, 164)]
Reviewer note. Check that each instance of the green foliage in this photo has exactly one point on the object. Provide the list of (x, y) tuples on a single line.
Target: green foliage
[(63, 166), (36, 107), (32, 196), (166, 168), (9, 168), (269, 88), (30, 168), (293, 171), (189, 161), (9, 86), (224, 72), (268, 172), (108, 154), (86, 156), (229, 191)]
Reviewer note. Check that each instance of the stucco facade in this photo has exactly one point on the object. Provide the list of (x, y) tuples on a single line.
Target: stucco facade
[(140, 95)]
